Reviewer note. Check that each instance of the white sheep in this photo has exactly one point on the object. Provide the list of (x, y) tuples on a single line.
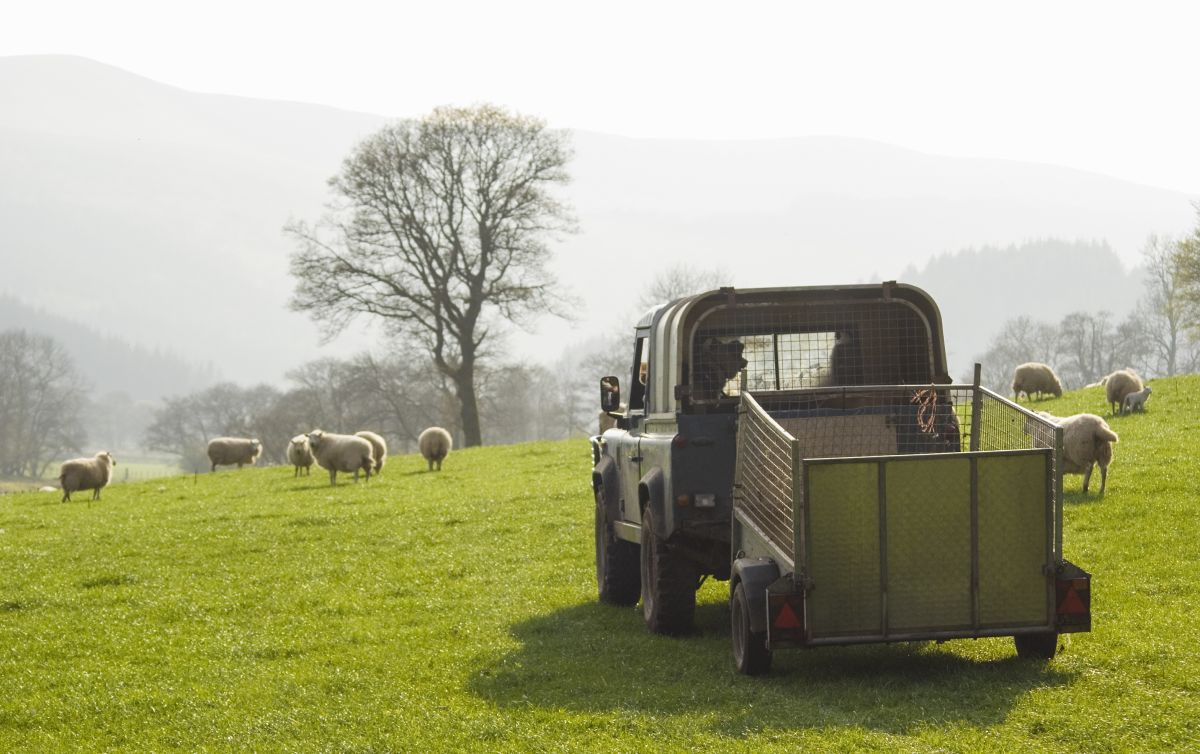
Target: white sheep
[(1136, 401), (299, 454), (86, 474), (378, 448), (227, 451), (1087, 441), (341, 453), (1120, 384), (435, 444), (1035, 377)]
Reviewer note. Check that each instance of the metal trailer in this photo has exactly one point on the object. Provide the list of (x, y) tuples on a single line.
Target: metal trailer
[(898, 513), (807, 445)]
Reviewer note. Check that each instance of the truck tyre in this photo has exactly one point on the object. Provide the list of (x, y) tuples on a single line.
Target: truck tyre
[(616, 561), (750, 652), (668, 584), (1041, 646)]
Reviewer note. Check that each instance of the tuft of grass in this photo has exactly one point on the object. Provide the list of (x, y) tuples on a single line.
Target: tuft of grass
[(453, 611)]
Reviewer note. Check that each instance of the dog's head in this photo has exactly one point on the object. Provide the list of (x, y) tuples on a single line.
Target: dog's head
[(720, 361)]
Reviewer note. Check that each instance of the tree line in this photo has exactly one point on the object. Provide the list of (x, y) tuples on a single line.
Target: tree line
[(1161, 337), (391, 395)]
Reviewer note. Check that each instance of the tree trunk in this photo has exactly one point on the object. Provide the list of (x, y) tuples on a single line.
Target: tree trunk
[(464, 386)]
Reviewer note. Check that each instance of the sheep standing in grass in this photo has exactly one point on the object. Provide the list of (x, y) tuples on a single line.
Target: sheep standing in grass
[(378, 448), (1035, 377), (435, 444), (341, 453), (299, 454), (227, 451), (1120, 384), (86, 474), (1087, 441), (1136, 401)]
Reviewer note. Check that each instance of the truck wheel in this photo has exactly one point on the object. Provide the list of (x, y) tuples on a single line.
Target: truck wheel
[(668, 584), (616, 561), (1041, 646), (750, 652)]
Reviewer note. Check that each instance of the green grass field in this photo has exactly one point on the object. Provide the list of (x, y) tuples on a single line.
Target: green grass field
[(456, 611)]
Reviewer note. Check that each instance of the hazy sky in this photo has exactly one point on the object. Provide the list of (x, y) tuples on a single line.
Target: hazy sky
[(1105, 87)]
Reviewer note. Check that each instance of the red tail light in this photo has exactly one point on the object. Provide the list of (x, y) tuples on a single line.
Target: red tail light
[(1073, 600)]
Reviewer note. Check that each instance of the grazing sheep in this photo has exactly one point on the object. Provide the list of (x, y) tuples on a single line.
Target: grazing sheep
[(341, 453), (1035, 377), (227, 451), (435, 444), (1087, 441), (378, 448), (86, 474), (1120, 384), (300, 455), (1136, 401)]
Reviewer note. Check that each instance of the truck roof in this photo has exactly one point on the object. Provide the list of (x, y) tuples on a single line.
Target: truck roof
[(732, 314)]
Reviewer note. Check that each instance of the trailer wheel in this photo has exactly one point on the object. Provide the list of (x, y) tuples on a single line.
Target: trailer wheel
[(616, 561), (750, 652), (1041, 646), (668, 584)]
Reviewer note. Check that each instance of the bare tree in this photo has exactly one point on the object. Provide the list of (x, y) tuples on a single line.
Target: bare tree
[(1187, 260), (440, 228), (42, 397), (185, 424), (680, 280), (1019, 340), (1163, 310)]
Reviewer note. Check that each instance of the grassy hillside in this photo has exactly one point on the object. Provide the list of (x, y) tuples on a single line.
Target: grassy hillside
[(456, 611)]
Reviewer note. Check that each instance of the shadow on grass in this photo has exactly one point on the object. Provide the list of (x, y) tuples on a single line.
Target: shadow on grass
[(1079, 497), (597, 658)]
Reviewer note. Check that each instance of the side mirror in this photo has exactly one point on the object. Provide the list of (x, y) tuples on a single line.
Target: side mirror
[(610, 394)]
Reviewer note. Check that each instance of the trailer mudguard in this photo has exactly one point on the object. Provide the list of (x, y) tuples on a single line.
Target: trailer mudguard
[(757, 574)]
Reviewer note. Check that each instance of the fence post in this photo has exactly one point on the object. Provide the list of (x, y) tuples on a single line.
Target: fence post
[(976, 406)]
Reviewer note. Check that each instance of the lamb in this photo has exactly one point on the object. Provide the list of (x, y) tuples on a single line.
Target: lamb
[(1120, 384), (378, 448), (300, 454), (1035, 377), (435, 444), (226, 451), (1087, 441), (1136, 401), (86, 474), (341, 453)]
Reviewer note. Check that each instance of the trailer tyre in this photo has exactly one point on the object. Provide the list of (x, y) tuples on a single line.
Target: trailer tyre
[(668, 583), (1041, 646), (616, 561), (750, 652)]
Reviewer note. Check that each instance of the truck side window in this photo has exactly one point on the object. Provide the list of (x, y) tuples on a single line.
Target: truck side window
[(637, 385)]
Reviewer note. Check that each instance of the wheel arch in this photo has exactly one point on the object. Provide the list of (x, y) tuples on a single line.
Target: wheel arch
[(651, 494)]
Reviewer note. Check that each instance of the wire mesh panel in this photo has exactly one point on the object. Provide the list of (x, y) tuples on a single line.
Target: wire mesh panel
[(807, 345), (843, 550), (928, 556), (763, 479)]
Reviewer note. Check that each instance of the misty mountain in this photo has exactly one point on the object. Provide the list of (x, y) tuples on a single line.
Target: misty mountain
[(110, 364), (158, 212), (978, 289)]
